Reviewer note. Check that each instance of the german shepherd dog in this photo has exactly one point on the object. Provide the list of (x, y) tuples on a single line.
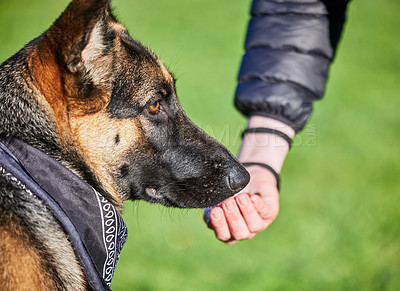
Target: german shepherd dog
[(104, 107)]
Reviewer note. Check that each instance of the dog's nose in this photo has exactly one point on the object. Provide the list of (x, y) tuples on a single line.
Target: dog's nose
[(238, 178)]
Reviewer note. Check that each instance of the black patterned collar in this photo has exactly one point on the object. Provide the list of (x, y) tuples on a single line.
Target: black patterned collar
[(95, 228)]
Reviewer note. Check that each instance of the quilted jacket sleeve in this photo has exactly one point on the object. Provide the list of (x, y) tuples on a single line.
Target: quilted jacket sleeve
[(289, 47)]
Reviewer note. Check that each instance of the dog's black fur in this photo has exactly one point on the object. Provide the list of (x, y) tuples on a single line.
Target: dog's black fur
[(103, 105)]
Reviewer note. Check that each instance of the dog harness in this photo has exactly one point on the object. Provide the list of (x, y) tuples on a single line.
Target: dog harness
[(96, 230)]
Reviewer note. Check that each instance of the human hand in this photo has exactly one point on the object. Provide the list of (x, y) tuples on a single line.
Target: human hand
[(251, 211), (254, 208)]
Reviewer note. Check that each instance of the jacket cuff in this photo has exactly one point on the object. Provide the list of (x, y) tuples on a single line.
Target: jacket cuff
[(280, 101)]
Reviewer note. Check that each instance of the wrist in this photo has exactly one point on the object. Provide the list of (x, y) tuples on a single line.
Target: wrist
[(267, 122), (266, 148)]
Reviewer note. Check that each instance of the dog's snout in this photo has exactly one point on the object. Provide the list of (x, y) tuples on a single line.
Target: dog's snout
[(237, 178)]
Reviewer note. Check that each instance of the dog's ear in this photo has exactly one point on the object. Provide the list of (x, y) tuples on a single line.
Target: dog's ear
[(82, 40)]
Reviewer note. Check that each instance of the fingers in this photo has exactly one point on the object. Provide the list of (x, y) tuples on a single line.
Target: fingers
[(228, 232), (252, 213), (236, 223), (219, 224), (237, 219), (267, 210), (241, 218)]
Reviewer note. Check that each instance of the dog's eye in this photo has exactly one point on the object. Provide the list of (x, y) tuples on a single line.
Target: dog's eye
[(154, 108)]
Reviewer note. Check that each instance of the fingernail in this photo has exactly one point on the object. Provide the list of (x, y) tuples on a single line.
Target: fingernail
[(243, 200), (216, 214), (229, 205), (255, 199)]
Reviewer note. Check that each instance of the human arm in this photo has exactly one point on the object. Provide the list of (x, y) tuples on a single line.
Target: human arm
[(289, 48)]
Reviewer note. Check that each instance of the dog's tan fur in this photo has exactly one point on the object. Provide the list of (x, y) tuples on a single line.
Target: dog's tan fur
[(17, 251), (95, 136)]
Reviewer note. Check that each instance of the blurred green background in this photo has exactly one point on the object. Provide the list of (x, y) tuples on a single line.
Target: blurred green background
[(339, 224)]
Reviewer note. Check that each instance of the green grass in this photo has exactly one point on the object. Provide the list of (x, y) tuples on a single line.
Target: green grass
[(339, 225)]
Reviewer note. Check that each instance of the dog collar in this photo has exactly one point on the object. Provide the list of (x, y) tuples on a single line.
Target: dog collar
[(95, 228)]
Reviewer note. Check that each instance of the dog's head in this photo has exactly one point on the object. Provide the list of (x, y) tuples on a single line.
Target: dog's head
[(118, 118)]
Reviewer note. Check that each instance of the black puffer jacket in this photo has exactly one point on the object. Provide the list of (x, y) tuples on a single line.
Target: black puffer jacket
[(289, 48)]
